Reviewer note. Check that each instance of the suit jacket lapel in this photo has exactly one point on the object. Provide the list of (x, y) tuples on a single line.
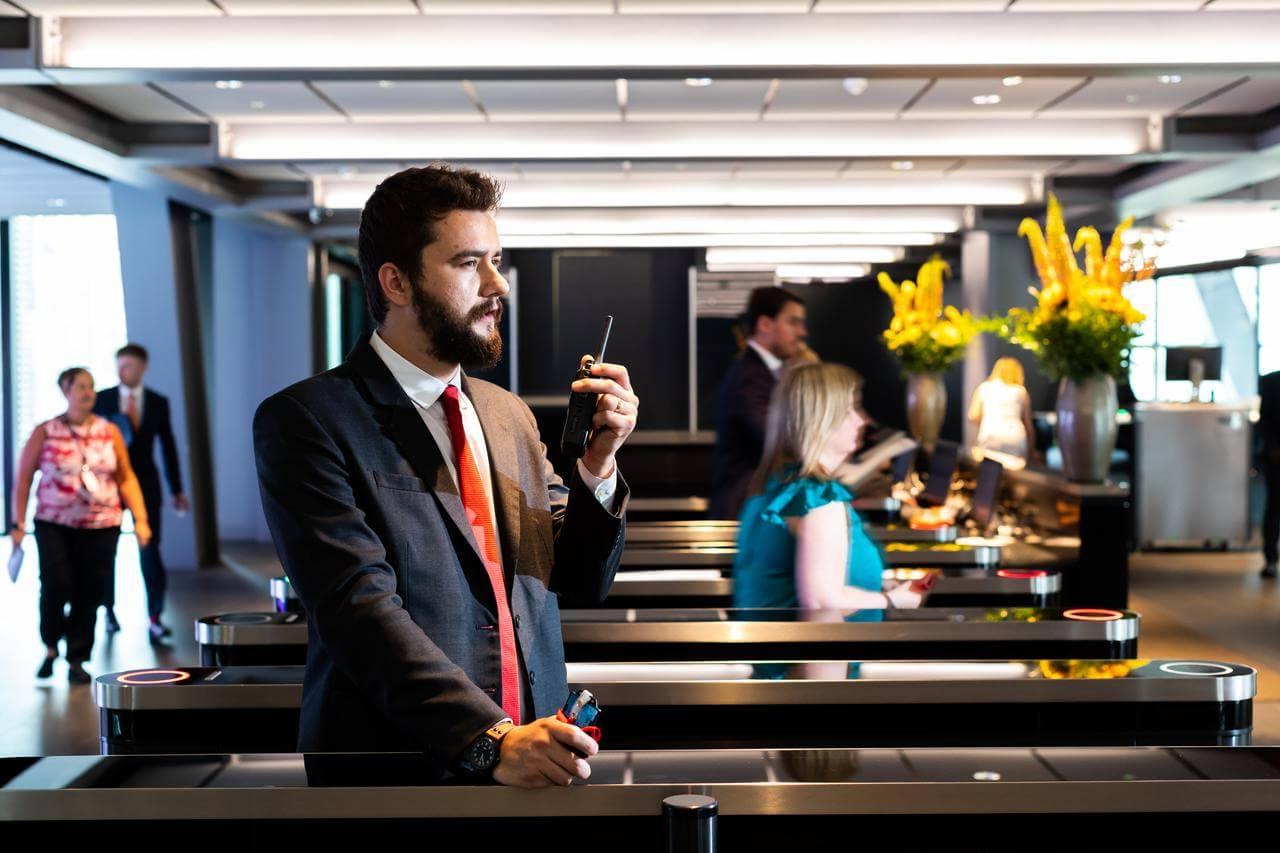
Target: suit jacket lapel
[(504, 470), (403, 423)]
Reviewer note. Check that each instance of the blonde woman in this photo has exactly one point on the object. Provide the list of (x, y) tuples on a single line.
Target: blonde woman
[(1001, 408), (800, 543)]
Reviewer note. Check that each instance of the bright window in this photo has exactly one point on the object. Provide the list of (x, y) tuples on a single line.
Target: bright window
[(67, 309)]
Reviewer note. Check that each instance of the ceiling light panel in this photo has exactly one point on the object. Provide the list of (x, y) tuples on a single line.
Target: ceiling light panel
[(683, 44), (1243, 5), (909, 6), (714, 7), (1095, 6), (693, 241), (516, 7), (120, 8), (720, 255), (827, 99), (871, 224), (284, 101), (1136, 96), (549, 100), (656, 100), (133, 103), (833, 272), (689, 140), (403, 100), (319, 7), (1256, 95), (953, 97)]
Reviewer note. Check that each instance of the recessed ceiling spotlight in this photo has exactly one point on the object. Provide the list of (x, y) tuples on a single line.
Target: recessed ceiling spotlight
[(257, 105), (227, 84), (986, 100), (1013, 80), (902, 165), (697, 82), (386, 84), (1131, 99), (854, 85), (57, 202), (1170, 78)]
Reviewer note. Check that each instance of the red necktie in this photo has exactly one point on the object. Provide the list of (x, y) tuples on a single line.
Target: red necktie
[(131, 410), (476, 503)]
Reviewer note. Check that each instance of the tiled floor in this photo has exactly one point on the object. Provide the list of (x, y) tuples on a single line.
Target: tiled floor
[(1210, 606)]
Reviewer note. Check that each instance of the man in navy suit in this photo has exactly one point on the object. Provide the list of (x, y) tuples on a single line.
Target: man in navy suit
[(417, 516), (1269, 426), (143, 416), (776, 333)]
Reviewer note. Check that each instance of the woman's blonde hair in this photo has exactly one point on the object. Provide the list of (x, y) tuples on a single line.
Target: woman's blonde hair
[(1009, 371), (808, 404)]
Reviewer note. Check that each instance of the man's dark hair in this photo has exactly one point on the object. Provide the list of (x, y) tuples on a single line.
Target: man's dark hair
[(68, 376), (767, 302), (398, 220), (135, 350)]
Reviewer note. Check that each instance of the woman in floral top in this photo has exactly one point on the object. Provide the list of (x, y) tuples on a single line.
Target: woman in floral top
[(84, 474)]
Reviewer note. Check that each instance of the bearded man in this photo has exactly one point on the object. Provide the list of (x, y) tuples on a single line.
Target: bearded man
[(418, 518)]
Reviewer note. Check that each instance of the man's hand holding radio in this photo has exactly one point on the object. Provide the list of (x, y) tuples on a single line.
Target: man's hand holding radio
[(615, 417), (543, 753)]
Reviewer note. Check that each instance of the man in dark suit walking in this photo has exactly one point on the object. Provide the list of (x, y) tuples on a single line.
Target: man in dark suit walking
[(417, 516), (143, 416), (1269, 426), (776, 333)]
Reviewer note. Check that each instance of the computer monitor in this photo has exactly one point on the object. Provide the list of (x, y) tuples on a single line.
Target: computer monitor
[(942, 467), (1177, 363), (982, 510)]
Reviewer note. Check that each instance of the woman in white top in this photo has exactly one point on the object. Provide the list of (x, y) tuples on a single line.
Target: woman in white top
[(1001, 408)]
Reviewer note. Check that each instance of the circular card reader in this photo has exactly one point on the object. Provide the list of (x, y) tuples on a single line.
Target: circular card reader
[(243, 619), (1021, 574), (1187, 667), (153, 676), (1092, 614)]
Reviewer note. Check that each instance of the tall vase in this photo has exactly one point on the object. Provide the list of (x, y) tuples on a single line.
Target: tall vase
[(1087, 427), (926, 407)]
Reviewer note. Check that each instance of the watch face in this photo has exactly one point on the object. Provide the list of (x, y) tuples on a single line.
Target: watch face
[(484, 753)]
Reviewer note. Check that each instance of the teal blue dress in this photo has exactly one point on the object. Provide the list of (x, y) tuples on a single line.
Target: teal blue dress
[(764, 572)]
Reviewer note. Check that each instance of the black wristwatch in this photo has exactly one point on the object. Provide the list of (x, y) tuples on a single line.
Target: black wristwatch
[(479, 759)]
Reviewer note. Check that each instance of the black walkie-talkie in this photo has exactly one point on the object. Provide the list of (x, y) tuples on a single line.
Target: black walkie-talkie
[(582, 406)]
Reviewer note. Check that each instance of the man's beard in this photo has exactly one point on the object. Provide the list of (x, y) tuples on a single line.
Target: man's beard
[(450, 337)]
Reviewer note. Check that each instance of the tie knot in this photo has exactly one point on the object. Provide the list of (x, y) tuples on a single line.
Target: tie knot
[(451, 393)]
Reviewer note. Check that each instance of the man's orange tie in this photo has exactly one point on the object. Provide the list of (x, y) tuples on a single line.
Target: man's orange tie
[(476, 503), (131, 411)]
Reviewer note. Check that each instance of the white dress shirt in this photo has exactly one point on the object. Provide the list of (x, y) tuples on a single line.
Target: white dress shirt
[(426, 390), (770, 360), (125, 393)]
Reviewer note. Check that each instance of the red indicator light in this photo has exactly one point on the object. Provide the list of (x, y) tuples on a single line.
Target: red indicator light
[(154, 676), (1089, 614), (1020, 574)]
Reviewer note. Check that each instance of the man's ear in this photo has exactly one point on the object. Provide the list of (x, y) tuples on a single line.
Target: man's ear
[(396, 288)]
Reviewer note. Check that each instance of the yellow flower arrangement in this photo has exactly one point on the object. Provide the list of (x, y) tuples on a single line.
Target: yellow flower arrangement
[(1082, 323), (926, 335)]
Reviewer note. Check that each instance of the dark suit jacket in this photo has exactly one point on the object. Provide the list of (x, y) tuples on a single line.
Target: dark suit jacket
[(142, 442), (1269, 417), (371, 530), (741, 406)]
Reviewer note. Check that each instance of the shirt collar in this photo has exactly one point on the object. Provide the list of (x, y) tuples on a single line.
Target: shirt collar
[(771, 361), (126, 391), (423, 388)]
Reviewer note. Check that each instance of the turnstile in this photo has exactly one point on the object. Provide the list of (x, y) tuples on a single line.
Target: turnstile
[(924, 634), (951, 587), (669, 534), (701, 705), (1066, 799), (896, 554), (252, 639)]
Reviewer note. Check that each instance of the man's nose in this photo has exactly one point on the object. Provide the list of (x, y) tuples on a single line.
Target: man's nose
[(496, 285)]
